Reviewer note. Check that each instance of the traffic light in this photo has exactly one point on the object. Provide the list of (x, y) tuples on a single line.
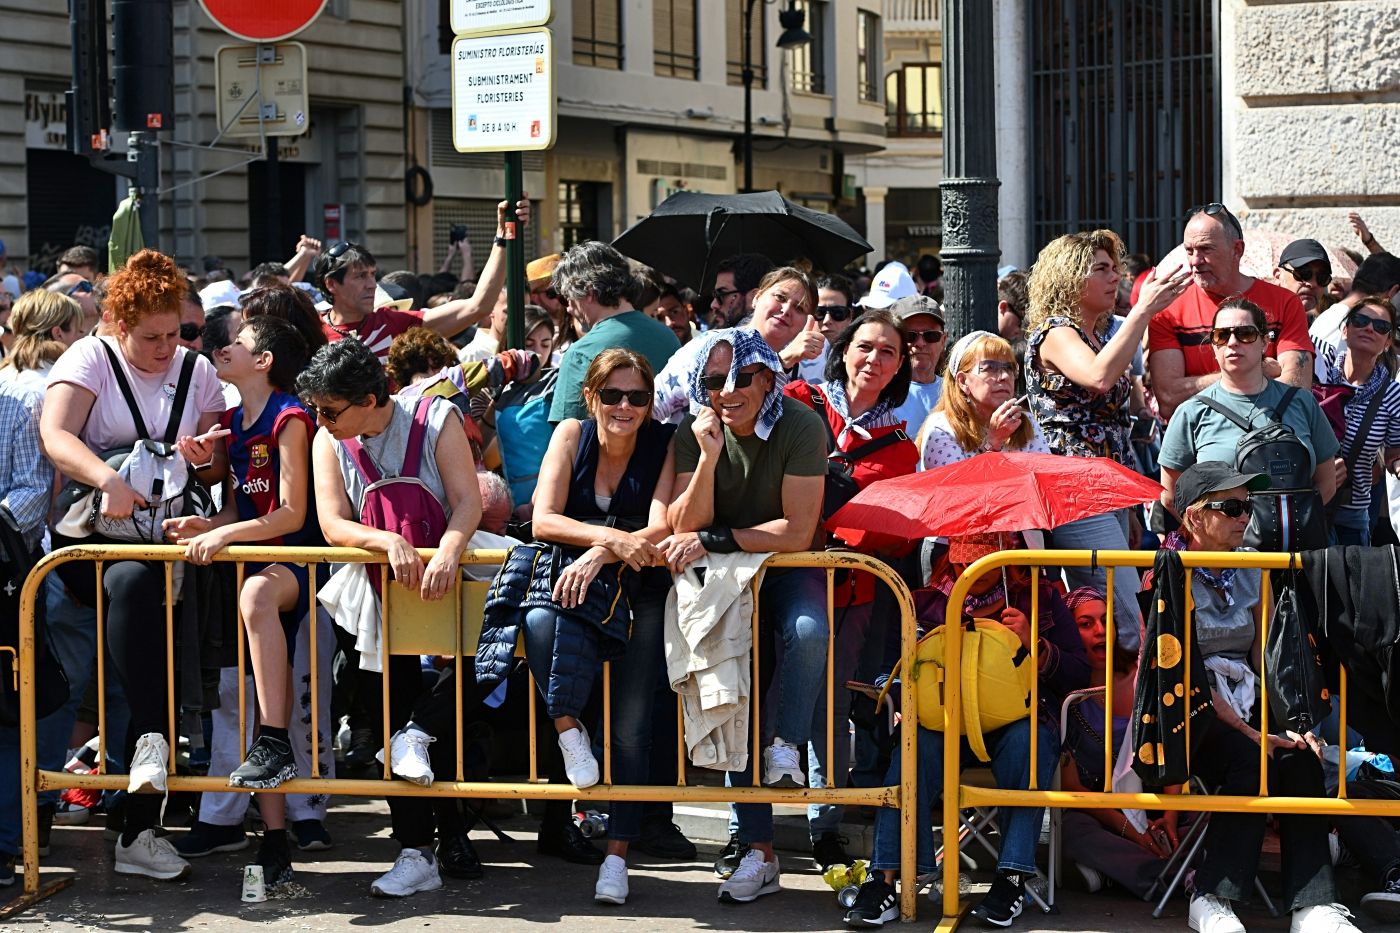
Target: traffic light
[(89, 96), (143, 71)]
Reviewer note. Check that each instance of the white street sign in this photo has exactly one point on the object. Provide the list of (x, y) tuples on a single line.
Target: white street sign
[(471, 17), (503, 92)]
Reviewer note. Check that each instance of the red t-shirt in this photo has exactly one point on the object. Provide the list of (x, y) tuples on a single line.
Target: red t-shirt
[(1185, 325), (376, 331)]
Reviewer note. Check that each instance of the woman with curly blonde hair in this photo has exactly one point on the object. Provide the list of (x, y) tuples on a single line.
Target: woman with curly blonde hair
[(1078, 379)]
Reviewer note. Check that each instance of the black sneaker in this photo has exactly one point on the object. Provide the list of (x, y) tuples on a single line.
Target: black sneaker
[(311, 835), (362, 748), (1004, 901), (275, 857), (207, 838), (829, 849), (46, 812), (665, 840), (7, 870), (269, 764), (1384, 904), (730, 857), (875, 904), (457, 858), (566, 841)]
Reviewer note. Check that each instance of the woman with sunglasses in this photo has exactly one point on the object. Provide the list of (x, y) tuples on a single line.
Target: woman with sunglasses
[(1080, 391), (1364, 362), (1198, 432), (603, 490), (1227, 616)]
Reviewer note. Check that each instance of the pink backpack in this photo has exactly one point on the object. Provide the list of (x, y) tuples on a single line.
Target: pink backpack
[(402, 504)]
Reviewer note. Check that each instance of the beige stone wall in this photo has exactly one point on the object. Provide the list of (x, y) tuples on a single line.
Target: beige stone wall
[(1312, 115)]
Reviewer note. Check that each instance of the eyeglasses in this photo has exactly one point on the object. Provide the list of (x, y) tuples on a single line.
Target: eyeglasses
[(1359, 320), (83, 287), (551, 294), (1233, 508), (837, 312), (742, 380), (994, 368), (1245, 333), (1217, 210), (722, 295), (1322, 277), (329, 415), (637, 398), (928, 336)]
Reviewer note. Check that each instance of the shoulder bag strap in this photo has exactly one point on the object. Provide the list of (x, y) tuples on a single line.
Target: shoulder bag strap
[(1213, 405), (413, 450), (880, 443), (1359, 438), (362, 461), (182, 390), (1284, 402), (818, 405), (127, 394)]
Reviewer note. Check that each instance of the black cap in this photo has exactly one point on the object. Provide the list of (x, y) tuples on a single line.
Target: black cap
[(1301, 252), (1207, 476)]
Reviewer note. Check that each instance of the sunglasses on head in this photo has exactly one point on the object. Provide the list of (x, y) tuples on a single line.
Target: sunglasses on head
[(1322, 277), (928, 336), (837, 312), (1233, 508), (741, 381), (1379, 325), (637, 398), (338, 249), (1245, 333), (1220, 212)]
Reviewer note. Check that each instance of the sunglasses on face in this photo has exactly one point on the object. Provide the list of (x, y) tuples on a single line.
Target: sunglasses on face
[(927, 336), (1379, 325), (1232, 508), (741, 381), (329, 415), (724, 294), (637, 398), (1321, 276), (80, 288), (190, 332), (552, 294), (837, 312), (1220, 212), (1245, 333)]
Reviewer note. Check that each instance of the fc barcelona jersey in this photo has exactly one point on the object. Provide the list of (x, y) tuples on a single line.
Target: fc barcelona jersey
[(256, 467)]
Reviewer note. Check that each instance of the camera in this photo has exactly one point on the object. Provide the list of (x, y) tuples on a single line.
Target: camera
[(458, 233)]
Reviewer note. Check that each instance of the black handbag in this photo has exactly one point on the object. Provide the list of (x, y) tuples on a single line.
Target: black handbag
[(1293, 671), (51, 687)]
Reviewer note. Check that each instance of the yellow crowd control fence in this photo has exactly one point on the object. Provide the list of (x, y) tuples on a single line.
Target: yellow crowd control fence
[(450, 627), (958, 796)]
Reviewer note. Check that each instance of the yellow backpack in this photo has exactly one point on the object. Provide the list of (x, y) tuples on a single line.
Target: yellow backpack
[(996, 680)]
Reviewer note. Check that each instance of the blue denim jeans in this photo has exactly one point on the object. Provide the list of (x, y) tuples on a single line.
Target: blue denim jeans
[(1351, 526), (792, 605), (540, 628), (1010, 748), (1107, 532), (853, 625), (633, 705)]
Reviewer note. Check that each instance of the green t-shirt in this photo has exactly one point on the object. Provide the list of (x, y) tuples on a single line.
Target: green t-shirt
[(630, 329), (749, 475), (1198, 432)]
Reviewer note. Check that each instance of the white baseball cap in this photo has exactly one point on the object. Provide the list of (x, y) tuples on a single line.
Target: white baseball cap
[(220, 294), (893, 283)]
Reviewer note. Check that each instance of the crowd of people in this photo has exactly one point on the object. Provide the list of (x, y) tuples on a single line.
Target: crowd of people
[(640, 456)]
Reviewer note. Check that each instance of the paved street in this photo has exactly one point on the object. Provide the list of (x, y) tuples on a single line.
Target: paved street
[(522, 891)]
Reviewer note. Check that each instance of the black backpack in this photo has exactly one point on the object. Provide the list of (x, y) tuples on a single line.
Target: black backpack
[(1289, 515)]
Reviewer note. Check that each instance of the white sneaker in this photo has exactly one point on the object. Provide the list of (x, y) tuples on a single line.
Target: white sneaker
[(1211, 914), (1322, 918), (782, 765), (151, 855), (408, 756), (148, 765), (1093, 878), (612, 881), (412, 873), (751, 880), (579, 763)]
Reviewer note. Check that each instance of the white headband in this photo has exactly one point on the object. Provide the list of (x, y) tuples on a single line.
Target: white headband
[(959, 349)]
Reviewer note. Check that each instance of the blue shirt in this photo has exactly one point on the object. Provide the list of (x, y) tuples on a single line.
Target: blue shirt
[(26, 476)]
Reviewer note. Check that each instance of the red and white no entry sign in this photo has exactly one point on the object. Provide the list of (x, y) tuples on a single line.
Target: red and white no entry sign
[(263, 20)]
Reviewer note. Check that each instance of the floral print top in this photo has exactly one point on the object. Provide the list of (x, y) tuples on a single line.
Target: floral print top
[(1078, 422)]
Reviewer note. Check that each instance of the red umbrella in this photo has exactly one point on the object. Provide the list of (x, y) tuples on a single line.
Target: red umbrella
[(992, 492)]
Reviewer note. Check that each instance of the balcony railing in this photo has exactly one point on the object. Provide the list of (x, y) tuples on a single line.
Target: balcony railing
[(912, 15)]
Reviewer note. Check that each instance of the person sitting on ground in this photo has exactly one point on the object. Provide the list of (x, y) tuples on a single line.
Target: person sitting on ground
[(750, 475), (1003, 598), (1213, 499), (346, 387), (266, 501)]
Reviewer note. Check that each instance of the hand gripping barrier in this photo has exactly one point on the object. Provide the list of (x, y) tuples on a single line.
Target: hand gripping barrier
[(450, 627)]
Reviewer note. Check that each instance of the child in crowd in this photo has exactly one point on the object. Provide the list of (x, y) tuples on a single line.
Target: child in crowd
[(269, 449)]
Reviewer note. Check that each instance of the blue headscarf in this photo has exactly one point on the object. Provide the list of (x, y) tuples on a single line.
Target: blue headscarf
[(749, 348)]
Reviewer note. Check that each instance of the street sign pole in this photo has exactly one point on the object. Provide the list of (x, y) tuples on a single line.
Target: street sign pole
[(515, 254)]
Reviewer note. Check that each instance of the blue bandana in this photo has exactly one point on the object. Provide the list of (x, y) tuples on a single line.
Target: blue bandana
[(749, 348)]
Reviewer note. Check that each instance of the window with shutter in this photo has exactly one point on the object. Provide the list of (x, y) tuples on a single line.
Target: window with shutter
[(598, 33), (673, 34)]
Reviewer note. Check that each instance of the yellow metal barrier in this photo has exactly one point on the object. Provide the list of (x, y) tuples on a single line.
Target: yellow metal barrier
[(411, 626), (958, 796)]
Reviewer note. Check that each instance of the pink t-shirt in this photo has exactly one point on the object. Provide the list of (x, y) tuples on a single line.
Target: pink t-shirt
[(110, 424)]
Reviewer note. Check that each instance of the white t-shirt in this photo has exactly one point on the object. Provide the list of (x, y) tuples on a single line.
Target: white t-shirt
[(940, 445), (110, 424), (1326, 331)]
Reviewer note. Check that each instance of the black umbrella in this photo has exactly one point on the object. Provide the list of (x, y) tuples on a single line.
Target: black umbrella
[(690, 233)]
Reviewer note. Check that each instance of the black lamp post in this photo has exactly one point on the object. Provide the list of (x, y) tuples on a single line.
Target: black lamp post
[(794, 36)]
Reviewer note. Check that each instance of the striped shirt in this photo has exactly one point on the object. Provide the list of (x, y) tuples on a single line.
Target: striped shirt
[(26, 478), (1385, 428)]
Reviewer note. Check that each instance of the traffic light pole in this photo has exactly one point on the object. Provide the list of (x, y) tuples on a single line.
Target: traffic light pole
[(146, 151), (515, 253)]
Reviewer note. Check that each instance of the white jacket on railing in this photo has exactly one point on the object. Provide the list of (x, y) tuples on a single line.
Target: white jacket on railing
[(709, 637)]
